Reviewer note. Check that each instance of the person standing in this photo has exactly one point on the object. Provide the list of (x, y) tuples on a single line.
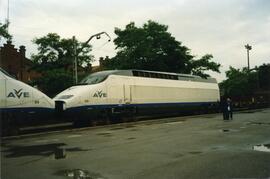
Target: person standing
[(229, 109), (224, 108)]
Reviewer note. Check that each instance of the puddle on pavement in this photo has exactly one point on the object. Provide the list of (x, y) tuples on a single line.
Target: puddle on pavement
[(74, 136), (130, 126), (79, 174), (253, 111), (77, 149), (61, 153), (59, 150), (195, 152), (225, 130), (262, 148), (221, 147), (174, 122), (258, 123), (229, 130), (131, 138), (148, 124), (105, 134), (117, 128)]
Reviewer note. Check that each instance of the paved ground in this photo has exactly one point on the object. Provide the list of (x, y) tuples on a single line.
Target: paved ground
[(184, 147)]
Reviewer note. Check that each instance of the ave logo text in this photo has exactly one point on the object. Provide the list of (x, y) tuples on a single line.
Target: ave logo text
[(18, 94), (100, 94)]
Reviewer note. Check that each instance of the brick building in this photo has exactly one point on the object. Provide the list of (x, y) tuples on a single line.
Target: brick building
[(100, 67), (15, 63)]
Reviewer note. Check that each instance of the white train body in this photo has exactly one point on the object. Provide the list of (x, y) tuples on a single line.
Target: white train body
[(138, 91), (19, 101)]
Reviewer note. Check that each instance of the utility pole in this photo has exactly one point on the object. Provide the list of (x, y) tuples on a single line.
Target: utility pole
[(7, 20), (8, 11), (75, 60), (248, 47), (77, 51)]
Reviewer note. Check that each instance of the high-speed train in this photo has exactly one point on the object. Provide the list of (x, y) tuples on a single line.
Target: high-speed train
[(137, 92), (21, 103)]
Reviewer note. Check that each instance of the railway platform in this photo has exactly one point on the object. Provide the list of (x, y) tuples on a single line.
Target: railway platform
[(202, 146)]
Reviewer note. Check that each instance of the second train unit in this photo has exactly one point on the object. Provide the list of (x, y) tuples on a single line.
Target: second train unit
[(137, 92)]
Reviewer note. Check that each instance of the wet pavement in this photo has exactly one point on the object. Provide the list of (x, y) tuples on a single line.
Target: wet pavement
[(262, 147), (180, 147)]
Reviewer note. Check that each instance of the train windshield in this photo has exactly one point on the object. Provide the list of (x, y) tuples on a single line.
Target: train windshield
[(95, 78), (6, 73)]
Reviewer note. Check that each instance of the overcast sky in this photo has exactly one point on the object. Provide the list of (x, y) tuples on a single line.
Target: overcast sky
[(220, 28)]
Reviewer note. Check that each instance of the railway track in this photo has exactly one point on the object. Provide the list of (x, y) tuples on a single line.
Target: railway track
[(68, 126)]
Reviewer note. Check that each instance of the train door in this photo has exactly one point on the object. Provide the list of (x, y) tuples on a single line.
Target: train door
[(127, 98)]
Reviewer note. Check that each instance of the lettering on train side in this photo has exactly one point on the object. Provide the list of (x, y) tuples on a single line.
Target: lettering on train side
[(18, 94), (100, 94)]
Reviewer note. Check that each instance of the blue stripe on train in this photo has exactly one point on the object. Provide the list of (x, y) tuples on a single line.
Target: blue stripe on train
[(104, 106), (27, 109)]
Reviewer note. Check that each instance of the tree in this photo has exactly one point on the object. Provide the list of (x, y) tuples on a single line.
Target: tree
[(54, 52), (4, 31), (54, 81), (264, 76), (55, 58), (203, 64), (240, 82), (152, 47)]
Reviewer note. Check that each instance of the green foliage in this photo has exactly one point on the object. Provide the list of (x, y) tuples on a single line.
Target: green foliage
[(204, 64), (54, 81), (4, 31), (55, 58), (264, 77), (152, 47), (55, 53), (240, 82)]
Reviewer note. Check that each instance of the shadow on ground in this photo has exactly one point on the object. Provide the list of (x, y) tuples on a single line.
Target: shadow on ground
[(39, 150)]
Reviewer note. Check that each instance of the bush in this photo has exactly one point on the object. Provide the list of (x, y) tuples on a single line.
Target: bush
[(54, 81)]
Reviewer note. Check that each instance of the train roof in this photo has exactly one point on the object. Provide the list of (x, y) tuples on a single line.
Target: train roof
[(156, 74)]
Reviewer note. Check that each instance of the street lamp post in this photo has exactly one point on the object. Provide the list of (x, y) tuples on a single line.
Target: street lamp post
[(77, 51), (248, 47), (75, 60)]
